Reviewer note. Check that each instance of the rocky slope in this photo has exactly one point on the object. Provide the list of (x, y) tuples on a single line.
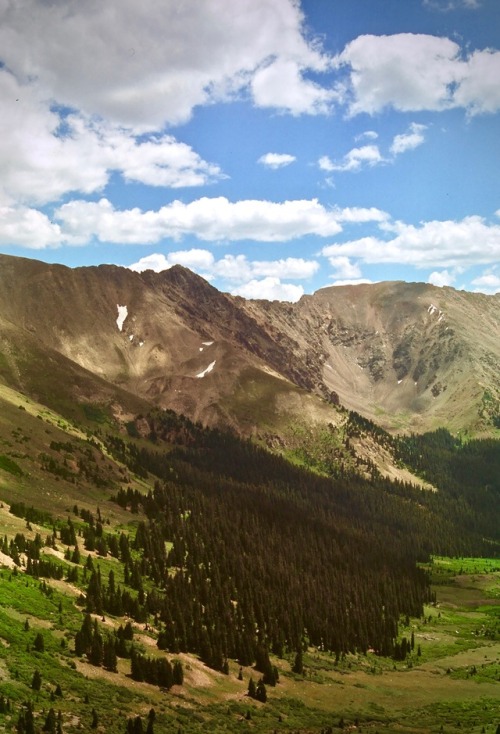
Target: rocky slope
[(410, 356)]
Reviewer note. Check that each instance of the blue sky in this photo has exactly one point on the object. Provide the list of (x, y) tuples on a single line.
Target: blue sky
[(274, 147)]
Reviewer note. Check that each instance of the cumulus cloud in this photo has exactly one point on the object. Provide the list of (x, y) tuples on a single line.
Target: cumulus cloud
[(343, 268), (208, 219), (282, 85), (442, 278), (156, 262), (435, 244), (110, 59), (45, 154), (488, 282), (270, 289), (354, 160), (25, 227), (412, 72), (479, 91), (230, 267), (250, 279), (276, 160), (409, 140), (406, 71)]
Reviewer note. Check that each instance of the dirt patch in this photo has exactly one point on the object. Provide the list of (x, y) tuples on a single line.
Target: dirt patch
[(6, 560)]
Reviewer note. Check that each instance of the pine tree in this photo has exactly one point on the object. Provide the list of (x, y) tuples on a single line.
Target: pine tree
[(39, 643), (50, 722), (109, 659), (298, 665), (95, 720), (251, 688), (25, 722), (96, 648), (178, 673), (36, 681), (260, 691)]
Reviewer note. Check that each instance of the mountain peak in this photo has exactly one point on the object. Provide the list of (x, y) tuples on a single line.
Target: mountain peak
[(408, 355)]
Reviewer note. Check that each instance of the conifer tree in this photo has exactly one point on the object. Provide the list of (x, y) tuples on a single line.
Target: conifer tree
[(178, 673), (298, 665), (36, 681), (109, 657), (96, 648), (50, 722), (39, 643), (260, 691)]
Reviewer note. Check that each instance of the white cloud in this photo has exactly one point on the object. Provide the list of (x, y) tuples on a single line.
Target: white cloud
[(488, 282), (195, 259), (354, 214), (276, 160), (235, 268), (409, 140), (344, 268), (354, 160), (44, 154), (412, 72), (156, 262), (257, 279), (445, 6), (25, 227), (270, 289), (146, 64), (441, 278), (479, 90), (207, 219), (406, 71), (325, 164), (435, 244), (367, 135), (282, 85), (290, 267)]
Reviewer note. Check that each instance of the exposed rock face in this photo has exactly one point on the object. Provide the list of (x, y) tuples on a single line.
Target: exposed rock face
[(408, 355)]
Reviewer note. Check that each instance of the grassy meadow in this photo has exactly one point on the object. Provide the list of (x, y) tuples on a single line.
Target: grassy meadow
[(450, 681)]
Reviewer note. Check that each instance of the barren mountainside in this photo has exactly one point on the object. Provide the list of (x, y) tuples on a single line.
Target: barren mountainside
[(410, 356)]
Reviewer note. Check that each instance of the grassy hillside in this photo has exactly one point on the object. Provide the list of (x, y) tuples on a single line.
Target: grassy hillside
[(450, 679), (233, 564)]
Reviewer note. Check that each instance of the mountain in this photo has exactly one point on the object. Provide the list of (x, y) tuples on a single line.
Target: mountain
[(409, 356), (295, 594)]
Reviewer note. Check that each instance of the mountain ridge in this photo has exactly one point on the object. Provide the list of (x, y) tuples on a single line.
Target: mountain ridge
[(409, 356)]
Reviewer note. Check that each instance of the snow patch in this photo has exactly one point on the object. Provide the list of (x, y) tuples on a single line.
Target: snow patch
[(201, 349), (122, 315), (207, 344), (131, 337), (141, 344), (207, 370), (399, 382)]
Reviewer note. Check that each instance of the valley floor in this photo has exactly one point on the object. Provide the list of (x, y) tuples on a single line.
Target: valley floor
[(450, 681)]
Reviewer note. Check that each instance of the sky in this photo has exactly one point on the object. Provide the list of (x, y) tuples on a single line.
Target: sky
[(274, 147)]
